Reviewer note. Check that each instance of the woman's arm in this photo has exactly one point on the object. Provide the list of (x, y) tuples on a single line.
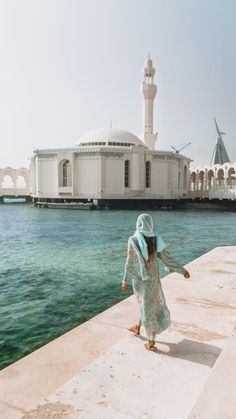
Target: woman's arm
[(171, 263), (130, 265)]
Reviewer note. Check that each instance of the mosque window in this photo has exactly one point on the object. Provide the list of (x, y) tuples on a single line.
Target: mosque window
[(148, 174), (127, 174), (66, 174), (185, 177)]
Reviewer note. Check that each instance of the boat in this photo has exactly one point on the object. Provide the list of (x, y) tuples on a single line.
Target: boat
[(68, 205)]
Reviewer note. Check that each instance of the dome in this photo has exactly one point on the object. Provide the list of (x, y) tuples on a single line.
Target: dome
[(109, 137)]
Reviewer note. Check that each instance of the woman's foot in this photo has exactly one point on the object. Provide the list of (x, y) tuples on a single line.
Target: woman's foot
[(150, 345), (135, 329)]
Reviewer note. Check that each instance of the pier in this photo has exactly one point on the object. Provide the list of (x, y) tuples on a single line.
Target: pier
[(100, 370)]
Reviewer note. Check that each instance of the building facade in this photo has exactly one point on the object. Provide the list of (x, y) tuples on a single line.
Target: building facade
[(218, 179), (112, 165)]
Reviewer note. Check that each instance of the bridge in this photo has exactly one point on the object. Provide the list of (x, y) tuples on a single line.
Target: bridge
[(14, 183)]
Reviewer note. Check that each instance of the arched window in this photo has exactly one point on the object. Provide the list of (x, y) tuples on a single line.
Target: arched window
[(193, 181), (20, 182), (127, 174), (231, 177), (201, 179), (185, 177), (148, 174), (7, 182), (220, 177), (210, 177), (66, 174)]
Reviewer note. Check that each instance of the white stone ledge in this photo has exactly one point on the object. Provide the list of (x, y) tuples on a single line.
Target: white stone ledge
[(217, 400), (99, 370)]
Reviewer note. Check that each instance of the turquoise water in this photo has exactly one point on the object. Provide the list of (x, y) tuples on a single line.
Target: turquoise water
[(58, 268)]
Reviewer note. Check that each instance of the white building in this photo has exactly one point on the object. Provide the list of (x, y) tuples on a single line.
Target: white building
[(112, 166), (218, 179)]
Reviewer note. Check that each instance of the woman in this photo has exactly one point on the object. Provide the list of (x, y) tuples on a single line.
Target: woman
[(145, 248)]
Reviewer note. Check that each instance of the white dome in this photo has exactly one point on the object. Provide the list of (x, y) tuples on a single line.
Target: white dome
[(109, 136)]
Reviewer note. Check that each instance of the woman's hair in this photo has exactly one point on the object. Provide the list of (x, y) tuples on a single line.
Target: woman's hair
[(151, 245)]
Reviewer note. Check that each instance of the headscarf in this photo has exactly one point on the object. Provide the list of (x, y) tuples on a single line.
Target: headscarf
[(145, 227)]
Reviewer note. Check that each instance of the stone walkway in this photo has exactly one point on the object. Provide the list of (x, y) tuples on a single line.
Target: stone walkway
[(99, 370)]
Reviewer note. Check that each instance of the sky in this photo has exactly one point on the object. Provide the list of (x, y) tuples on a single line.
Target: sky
[(70, 66)]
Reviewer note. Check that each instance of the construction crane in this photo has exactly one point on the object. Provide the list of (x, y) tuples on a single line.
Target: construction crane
[(180, 149)]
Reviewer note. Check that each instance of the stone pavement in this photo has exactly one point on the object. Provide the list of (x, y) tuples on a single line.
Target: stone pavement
[(100, 370)]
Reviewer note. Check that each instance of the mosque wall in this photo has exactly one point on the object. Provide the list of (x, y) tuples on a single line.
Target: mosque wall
[(46, 176), (159, 176), (137, 171), (173, 177), (101, 175), (87, 173), (114, 183)]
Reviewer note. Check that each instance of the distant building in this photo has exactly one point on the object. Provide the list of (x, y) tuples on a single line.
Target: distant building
[(112, 166), (220, 155), (216, 180)]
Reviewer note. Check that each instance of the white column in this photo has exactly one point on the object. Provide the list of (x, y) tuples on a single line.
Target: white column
[(148, 90)]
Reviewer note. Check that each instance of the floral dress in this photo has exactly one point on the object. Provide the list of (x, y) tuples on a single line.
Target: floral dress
[(145, 276)]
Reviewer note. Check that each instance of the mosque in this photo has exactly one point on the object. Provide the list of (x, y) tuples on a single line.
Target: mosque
[(112, 167)]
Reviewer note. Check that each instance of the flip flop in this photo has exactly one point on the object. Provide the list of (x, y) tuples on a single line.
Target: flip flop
[(152, 348), (134, 331)]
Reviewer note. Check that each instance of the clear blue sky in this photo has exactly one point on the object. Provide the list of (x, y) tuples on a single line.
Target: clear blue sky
[(69, 66)]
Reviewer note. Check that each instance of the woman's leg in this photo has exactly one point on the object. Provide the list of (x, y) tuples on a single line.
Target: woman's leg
[(136, 327), (151, 342)]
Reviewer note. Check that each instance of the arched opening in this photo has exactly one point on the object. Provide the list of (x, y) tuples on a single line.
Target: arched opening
[(20, 182), (7, 182), (193, 181), (65, 174), (210, 178), (220, 177), (148, 174), (231, 181), (201, 179), (185, 183), (127, 174)]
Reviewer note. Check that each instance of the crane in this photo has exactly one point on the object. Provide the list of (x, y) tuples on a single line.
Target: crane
[(177, 151)]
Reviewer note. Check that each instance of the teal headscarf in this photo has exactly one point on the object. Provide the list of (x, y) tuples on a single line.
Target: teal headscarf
[(145, 227)]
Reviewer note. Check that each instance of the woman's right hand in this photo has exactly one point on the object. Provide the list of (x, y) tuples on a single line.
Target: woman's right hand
[(186, 275), (124, 286)]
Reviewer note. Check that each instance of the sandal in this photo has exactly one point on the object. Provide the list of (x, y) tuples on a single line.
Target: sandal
[(135, 330), (150, 348)]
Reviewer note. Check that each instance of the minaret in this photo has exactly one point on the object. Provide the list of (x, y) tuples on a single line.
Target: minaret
[(148, 90)]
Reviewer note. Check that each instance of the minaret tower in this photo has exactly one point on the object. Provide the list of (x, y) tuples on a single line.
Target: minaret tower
[(148, 90)]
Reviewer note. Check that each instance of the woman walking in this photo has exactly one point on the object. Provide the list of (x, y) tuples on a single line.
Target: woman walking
[(145, 248)]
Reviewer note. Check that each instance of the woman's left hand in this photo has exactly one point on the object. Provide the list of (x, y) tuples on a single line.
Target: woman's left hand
[(124, 287)]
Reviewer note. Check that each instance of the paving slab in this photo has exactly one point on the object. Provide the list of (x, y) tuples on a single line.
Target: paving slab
[(217, 400), (99, 370)]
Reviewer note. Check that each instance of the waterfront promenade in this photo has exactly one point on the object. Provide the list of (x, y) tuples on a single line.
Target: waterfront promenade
[(99, 370)]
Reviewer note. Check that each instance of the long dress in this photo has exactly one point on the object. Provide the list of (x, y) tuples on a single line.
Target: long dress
[(154, 313)]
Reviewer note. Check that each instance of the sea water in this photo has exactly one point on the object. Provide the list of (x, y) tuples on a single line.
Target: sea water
[(59, 268)]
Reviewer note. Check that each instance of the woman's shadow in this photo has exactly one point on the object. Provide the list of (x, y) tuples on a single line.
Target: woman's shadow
[(190, 350)]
